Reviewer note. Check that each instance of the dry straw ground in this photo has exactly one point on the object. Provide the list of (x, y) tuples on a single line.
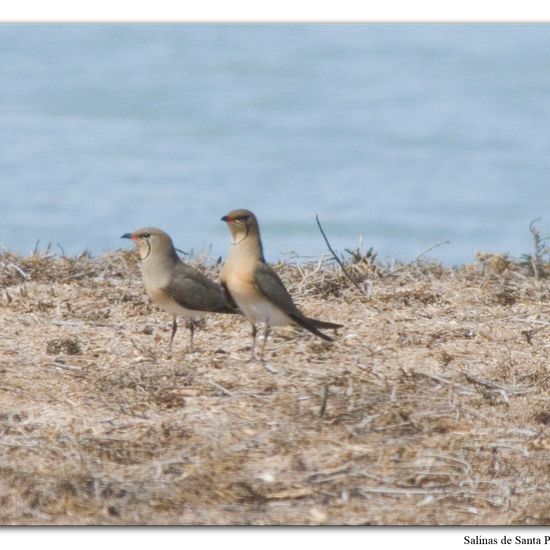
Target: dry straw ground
[(431, 407)]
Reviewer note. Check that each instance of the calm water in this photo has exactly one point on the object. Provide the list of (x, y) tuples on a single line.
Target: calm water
[(405, 135)]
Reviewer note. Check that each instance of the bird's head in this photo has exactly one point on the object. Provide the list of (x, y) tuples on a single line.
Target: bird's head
[(242, 223), (151, 240)]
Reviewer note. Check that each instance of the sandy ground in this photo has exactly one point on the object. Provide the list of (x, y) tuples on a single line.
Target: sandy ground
[(432, 406)]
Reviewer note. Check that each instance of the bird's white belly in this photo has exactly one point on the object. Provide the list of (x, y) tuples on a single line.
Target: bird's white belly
[(258, 309), (170, 305)]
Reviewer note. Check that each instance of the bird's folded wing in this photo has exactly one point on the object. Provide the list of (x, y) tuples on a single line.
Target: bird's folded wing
[(227, 295), (269, 284), (193, 290)]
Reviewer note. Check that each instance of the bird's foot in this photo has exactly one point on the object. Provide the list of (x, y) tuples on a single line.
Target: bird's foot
[(261, 361), (268, 367)]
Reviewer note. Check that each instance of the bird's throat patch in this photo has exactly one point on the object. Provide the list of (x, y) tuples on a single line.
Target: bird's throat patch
[(148, 251)]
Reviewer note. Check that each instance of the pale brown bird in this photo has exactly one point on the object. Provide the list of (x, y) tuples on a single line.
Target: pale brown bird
[(173, 285), (252, 285)]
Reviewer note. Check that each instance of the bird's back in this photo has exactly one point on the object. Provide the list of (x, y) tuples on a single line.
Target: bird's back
[(194, 290)]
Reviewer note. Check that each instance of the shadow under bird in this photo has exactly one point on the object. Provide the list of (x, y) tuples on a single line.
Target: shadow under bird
[(173, 285), (252, 285)]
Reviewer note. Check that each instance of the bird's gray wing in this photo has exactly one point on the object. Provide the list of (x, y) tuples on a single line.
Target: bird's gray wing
[(227, 295), (269, 284), (195, 291)]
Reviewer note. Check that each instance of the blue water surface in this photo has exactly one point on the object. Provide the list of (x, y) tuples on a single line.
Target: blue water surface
[(401, 135)]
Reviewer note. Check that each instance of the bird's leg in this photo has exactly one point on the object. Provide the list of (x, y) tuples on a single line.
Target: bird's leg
[(266, 334), (174, 328), (252, 354), (191, 323)]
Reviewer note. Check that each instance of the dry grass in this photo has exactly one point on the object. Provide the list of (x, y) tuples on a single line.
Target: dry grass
[(432, 406)]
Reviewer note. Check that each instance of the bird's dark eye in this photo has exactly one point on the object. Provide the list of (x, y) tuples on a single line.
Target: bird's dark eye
[(242, 218), (146, 235)]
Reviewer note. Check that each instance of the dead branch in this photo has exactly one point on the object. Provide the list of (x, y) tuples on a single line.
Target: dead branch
[(429, 249), (335, 256)]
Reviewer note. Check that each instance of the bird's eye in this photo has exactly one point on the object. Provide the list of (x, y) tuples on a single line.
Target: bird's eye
[(146, 235), (242, 218)]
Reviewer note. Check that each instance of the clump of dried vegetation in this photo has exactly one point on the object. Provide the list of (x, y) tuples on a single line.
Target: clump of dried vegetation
[(432, 406)]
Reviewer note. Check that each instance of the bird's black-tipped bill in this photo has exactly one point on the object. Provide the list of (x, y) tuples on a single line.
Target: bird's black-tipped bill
[(226, 219), (126, 236)]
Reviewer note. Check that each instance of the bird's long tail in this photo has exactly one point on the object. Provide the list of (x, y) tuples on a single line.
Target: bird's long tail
[(323, 324), (313, 324)]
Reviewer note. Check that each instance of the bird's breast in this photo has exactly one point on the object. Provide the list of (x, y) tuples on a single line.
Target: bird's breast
[(239, 277)]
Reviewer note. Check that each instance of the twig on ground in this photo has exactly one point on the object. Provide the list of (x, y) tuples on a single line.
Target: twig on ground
[(439, 379), (269, 368), (498, 387), (221, 388), (534, 321), (466, 465), (539, 248), (324, 403), (334, 255), (11, 264), (61, 365), (436, 245)]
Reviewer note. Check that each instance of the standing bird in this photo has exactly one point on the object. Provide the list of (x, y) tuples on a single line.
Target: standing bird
[(173, 285), (251, 284)]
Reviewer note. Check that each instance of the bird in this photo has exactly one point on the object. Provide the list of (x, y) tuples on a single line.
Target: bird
[(253, 286), (172, 284)]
